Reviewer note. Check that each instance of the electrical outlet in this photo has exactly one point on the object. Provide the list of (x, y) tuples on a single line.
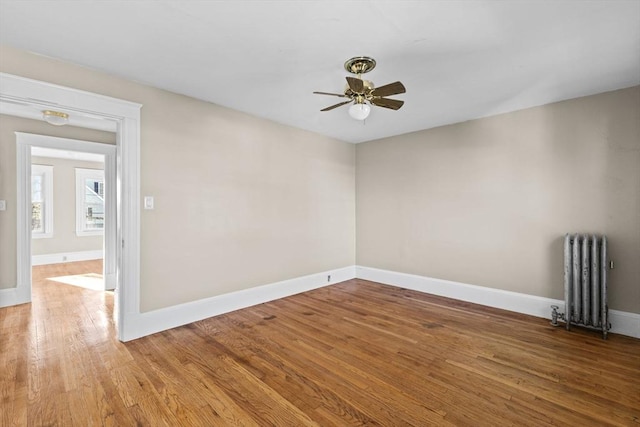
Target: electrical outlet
[(3, 205), (328, 278)]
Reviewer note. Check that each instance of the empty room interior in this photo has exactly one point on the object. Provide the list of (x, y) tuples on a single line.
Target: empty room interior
[(320, 213)]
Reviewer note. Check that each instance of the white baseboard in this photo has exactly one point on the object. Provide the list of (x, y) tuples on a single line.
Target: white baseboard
[(66, 257), (622, 322), (110, 281), (166, 318), (625, 323), (14, 296), (143, 324)]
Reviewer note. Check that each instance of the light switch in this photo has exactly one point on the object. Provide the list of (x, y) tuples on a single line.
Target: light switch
[(3, 205), (148, 202)]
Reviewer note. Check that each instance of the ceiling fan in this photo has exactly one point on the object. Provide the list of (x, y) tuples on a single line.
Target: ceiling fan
[(362, 93)]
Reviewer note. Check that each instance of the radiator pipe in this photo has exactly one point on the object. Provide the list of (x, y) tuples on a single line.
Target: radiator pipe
[(555, 315)]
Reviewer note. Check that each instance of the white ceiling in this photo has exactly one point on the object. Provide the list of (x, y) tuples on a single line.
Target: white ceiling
[(459, 60)]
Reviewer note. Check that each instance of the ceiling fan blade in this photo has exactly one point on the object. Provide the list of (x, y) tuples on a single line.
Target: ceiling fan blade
[(341, 95), (393, 104), (390, 89), (336, 106), (355, 85)]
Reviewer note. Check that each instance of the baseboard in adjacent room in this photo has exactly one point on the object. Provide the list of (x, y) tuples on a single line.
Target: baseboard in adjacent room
[(14, 296), (622, 322), (66, 257)]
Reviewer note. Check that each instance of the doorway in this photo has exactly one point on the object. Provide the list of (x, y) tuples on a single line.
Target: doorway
[(24, 97), (68, 205), (85, 187)]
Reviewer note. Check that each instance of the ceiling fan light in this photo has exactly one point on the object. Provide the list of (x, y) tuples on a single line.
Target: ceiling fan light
[(55, 118), (359, 111)]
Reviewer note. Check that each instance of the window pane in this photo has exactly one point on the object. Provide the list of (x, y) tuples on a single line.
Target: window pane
[(37, 204), (41, 201), (94, 204), (37, 217), (36, 188)]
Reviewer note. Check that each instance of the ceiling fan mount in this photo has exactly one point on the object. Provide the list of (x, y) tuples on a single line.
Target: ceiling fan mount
[(362, 94), (360, 64)]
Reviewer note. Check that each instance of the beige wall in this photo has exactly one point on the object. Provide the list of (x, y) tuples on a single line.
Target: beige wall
[(487, 202), (242, 201), (64, 237), (239, 201), (8, 126)]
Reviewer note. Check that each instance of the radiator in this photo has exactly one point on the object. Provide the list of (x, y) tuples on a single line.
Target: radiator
[(585, 284)]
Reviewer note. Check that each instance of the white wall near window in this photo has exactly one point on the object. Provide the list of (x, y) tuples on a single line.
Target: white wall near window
[(90, 208), (41, 201)]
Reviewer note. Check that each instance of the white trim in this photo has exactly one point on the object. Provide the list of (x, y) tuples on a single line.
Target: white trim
[(127, 311), (182, 314), (15, 92), (622, 322), (11, 296), (61, 257), (23, 223), (110, 240)]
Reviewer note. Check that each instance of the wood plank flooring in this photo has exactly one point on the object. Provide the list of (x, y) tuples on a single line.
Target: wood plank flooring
[(356, 353)]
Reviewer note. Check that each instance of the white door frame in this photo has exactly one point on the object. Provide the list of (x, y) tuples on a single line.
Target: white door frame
[(18, 93), (24, 143)]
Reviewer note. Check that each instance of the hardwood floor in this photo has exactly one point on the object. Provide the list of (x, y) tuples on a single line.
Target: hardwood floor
[(356, 353)]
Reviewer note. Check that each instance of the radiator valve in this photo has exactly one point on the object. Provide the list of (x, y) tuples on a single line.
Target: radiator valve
[(555, 315)]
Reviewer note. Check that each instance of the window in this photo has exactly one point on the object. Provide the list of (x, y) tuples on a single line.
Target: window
[(89, 202), (41, 201)]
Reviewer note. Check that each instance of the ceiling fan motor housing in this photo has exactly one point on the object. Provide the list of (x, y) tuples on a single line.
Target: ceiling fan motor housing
[(368, 87)]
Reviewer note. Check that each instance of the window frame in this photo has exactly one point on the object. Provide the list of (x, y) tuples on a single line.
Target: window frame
[(46, 171), (83, 174)]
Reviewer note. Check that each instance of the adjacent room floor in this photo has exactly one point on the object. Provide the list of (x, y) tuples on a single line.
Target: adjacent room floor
[(356, 353)]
